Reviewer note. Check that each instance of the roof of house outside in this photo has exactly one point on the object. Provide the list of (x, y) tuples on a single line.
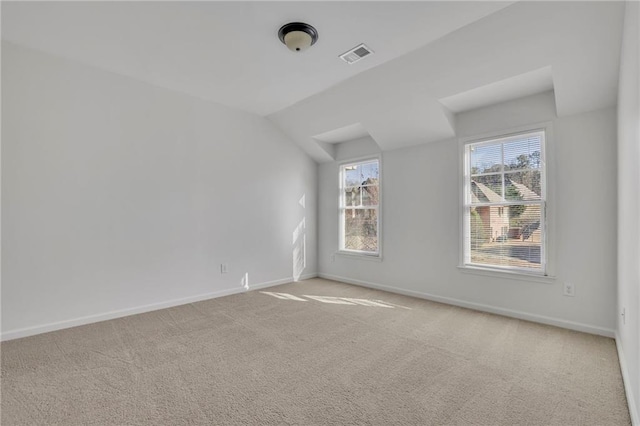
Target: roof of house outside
[(491, 196), (526, 193)]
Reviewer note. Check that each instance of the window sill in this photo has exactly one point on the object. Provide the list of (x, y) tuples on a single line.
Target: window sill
[(361, 256), (513, 275)]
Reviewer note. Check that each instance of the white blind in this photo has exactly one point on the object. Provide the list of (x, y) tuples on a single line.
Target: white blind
[(505, 198)]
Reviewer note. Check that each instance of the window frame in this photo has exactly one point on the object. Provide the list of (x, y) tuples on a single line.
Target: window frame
[(547, 226), (342, 209)]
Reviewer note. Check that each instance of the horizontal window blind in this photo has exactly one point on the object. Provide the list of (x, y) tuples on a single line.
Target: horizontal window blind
[(505, 203)]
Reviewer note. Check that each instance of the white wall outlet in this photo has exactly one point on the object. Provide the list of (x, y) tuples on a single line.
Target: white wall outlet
[(224, 268), (569, 289), (624, 315)]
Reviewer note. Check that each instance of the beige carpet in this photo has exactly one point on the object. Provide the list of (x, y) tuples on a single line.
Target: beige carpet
[(357, 357)]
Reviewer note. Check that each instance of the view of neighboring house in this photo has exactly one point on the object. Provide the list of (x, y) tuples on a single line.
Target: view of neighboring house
[(365, 194), (495, 223), (530, 217), (361, 222), (494, 219)]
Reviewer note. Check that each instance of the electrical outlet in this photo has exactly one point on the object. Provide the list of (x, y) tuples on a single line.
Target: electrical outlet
[(224, 268), (624, 315), (569, 289)]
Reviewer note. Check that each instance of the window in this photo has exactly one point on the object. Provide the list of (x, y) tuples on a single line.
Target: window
[(505, 203), (359, 207)]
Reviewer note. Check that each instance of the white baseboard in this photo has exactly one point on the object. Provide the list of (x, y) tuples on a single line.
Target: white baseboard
[(308, 276), (631, 402), (571, 325), (45, 328)]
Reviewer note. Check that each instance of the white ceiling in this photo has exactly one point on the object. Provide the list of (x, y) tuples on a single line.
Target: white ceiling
[(347, 133), (522, 85), (432, 59), (229, 52), (513, 52)]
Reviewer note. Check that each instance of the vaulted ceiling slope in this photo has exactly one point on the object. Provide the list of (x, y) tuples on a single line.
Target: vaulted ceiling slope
[(229, 52), (431, 61), (572, 48)]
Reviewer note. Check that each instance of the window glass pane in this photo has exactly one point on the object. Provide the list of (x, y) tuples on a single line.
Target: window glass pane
[(486, 189), (352, 196), (522, 185), (523, 153), (506, 236), (485, 159), (369, 173), (360, 185), (508, 169), (361, 230), (361, 174), (361, 196), (370, 195), (352, 176)]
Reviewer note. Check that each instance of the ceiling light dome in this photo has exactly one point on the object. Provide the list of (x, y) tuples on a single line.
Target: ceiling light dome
[(298, 36)]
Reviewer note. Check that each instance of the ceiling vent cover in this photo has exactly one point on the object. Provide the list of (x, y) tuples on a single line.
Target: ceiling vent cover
[(357, 53)]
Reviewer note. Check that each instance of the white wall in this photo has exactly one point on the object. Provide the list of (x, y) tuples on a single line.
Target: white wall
[(421, 226), (629, 207), (117, 194)]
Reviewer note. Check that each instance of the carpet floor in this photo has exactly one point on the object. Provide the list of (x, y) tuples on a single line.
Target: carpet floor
[(315, 352)]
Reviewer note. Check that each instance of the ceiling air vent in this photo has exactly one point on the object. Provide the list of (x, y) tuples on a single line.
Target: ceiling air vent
[(356, 54)]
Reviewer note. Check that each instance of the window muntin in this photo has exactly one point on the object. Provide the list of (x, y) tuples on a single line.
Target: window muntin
[(505, 203), (359, 207)]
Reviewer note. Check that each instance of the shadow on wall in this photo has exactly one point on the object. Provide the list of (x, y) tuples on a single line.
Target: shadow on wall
[(300, 245)]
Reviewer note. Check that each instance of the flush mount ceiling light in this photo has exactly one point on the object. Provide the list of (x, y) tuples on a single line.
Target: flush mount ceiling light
[(298, 36)]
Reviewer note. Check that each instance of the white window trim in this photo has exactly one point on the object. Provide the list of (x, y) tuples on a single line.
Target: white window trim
[(549, 220), (358, 256), (356, 253)]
